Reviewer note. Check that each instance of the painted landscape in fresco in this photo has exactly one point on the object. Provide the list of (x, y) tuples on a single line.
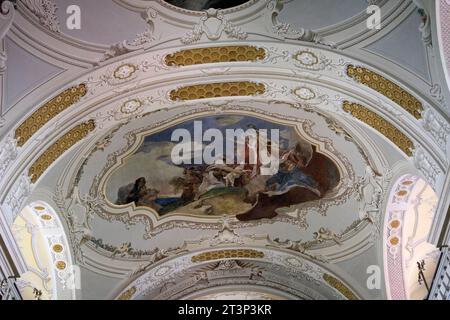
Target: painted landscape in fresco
[(150, 179)]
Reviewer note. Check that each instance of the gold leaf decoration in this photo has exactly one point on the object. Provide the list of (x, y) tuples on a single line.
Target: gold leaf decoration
[(227, 254), (387, 88), (48, 111), (214, 55), (58, 148), (340, 286), (61, 265), (381, 125), (127, 295), (58, 248), (214, 90)]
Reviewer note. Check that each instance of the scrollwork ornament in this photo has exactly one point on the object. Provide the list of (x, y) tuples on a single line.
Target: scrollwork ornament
[(141, 40), (17, 196), (99, 204), (203, 28), (286, 31), (8, 153), (7, 13), (45, 12), (427, 166), (123, 73), (437, 127)]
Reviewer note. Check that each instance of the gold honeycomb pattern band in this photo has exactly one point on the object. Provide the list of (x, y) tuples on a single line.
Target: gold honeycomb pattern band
[(48, 111), (214, 90), (339, 286), (381, 125), (387, 88), (58, 148), (227, 254), (214, 55)]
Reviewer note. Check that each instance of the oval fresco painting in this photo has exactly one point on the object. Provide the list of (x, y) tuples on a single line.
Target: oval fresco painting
[(152, 178)]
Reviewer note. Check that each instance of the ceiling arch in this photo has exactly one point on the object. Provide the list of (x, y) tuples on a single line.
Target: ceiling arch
[(183, 67)]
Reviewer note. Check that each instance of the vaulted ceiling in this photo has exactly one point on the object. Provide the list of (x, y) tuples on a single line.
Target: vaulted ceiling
[(86, 113)]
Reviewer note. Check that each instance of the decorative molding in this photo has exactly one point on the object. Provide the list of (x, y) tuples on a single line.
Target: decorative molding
[(381, 125), (129, 109), (142, 39), (371, 189), (190, 57), (16, 197), (122, 73), (7, 13), (78, 218), (425, 26), (175, 275), (127, 295), (436, 92), (48, 111), (300, 247), (339, 286), (443, 34), (8, 153), (286, 31), (208, 23), (105, 210), (437, 127), (227, 254), (393, 231), (325, 234), (45, 12), (214, 90), (427, 166), (58, 148), (387, 88)]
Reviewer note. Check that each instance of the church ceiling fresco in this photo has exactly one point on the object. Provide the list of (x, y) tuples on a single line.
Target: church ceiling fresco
[(141, 186), (225, 143), (155, 182)]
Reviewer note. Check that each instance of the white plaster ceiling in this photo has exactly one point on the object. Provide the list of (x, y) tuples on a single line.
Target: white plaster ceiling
[(25, 72), (105, 22), (404, 46), (338, 218), (102, 21), (313, 14)]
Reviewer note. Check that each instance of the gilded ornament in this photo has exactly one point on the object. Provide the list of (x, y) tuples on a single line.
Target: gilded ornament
[(387, 88), (381, 125), (58, 148), (57, 248), (394, 241), (215, 55), (394, 224), (227, 254), (125, 71), (306, 58), (131, 106), (127, 295), (214, 90), (339, 286), (61, 265), (47, 112), (305, 93)]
